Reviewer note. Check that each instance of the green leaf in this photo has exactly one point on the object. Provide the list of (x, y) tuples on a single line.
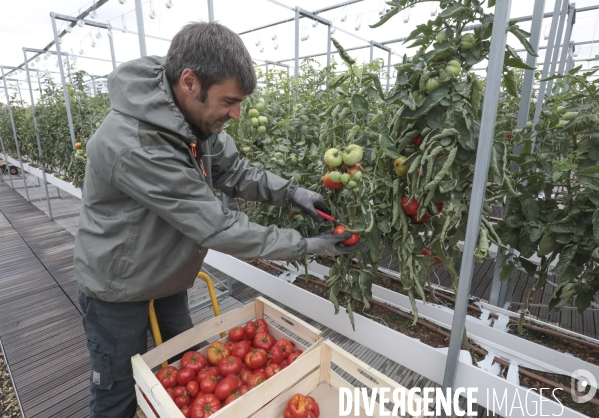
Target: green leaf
[(590, 181), (453, 10), (596, 226), (491, 3), (431, 101), (420, 29), (385, 17), (343, 53), (589, 170), (565, 258), (510, 83), (507, 270), (521, 35), (384, 226), (359, 103), (531, 209), (516, 62), (387, 145), (546, 244), (530, 267), (583, 301), (576, 69), (477, 90)]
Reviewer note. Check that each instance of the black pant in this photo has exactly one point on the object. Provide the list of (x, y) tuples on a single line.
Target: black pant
[(116, 332)]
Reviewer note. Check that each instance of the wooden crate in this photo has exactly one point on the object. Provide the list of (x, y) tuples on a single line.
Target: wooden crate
[(148, 387), (323, 383)]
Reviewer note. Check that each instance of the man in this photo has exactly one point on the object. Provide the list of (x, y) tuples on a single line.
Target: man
[(148, 213)]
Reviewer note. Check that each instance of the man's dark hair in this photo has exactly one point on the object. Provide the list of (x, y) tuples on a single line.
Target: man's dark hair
[(214, 53)]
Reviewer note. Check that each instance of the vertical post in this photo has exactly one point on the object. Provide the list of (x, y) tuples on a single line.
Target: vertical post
[(481, 168), (111, 42), (388, 71), (19, 90), (14, 130), (546, 64), (499, 289), (567, 38), (371, 50), (140, 28), (329, 44), (39, 83), (297, 16), (266, 72), (210, 11), (37, 137), (7, 170), (94, 85), (64, 84), (558, 44)]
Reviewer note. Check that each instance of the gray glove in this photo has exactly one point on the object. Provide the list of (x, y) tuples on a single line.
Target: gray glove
[(309, 201), (328, 244)]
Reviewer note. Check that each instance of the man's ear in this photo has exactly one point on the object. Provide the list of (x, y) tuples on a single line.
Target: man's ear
[(190, 84)]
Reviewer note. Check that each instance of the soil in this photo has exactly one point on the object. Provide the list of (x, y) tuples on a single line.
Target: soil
[(437, 340), (9, 407)]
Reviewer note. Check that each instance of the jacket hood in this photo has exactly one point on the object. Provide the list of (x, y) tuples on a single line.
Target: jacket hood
[(140, 89)]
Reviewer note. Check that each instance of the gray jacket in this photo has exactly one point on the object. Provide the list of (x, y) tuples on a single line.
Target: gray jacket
[(148, 214)]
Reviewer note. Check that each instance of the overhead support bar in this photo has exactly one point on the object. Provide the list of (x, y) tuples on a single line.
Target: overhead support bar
[(210, 11), (141, 32)]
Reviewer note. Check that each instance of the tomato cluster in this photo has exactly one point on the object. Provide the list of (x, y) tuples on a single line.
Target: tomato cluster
[(300, 406), (204, 384)]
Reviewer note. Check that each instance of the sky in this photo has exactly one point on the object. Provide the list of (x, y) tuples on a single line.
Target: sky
[(27, 23)]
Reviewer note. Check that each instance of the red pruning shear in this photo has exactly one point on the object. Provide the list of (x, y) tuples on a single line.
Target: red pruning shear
[(328, 217)]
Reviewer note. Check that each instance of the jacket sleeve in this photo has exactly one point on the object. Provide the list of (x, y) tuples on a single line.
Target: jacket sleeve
[(174, 190), (235, 176)]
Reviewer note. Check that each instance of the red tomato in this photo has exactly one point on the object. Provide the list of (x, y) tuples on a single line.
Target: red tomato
[(276, 354), (216, 352), (230, 365), (245, 376), (255, 380), (232, 397), (186, 411), (260, 371), (416, 219), (261, 326), (167, 376), (243, 389), (410, 208), (271, 370), (298, 406), (193, 388), (264, 341), (250, 329), (286, 346), (284, 364), (313, 406), (207, 371), (182, 400), (208, 384), (170, 393), (236, 334), (194, 360), (417, 141), (355, 237), (287, 414), (294, 356), (230, 345), (227, 386), (240, 349), (205, 405), (439, 206), (179, 390), (256, 358), (330, 184), (185, 376)]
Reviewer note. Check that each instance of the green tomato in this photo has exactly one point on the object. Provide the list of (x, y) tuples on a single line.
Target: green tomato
[(260, 106), (353, 155), (80, 152), (63, 177), (261, 129), (356, 190), (569, 115), (441, 36), (453, 68), (432, 84), (298, 177), (333, 158), (255, 122), (335, 176), (246, 149), (293, 160), (560, 110), (467, 41), (253, 113), (261, 100), (400, 169), (357, 176), (529, 124), (263, 120), (562, 123), (297, 107), (345, 177), (278, 154), (97, 124), (352, 184)]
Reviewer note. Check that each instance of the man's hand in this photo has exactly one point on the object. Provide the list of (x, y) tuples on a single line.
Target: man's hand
[(310, 201), (328, 244)]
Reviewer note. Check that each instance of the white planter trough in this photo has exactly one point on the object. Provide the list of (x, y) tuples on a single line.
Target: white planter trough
[(51, 178), (507, 346), (409, 352)]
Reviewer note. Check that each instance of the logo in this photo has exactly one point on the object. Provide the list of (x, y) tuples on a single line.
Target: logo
[(583, 381)]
